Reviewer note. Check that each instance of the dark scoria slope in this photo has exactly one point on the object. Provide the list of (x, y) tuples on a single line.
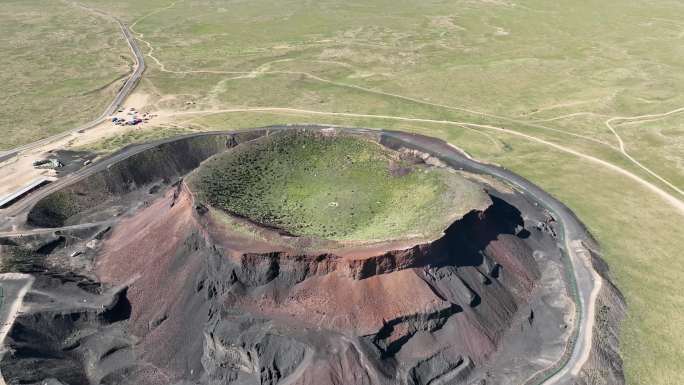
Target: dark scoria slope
[(168, 296), (206, 312)]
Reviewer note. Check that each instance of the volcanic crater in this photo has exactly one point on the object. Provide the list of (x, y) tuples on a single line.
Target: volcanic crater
[(288, 256)]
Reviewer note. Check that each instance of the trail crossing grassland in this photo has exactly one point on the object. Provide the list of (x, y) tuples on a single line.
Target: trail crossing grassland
[(609, 124), (587, 320), (262, 70)]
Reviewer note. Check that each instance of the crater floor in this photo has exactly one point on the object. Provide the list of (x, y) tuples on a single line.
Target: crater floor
[(335, 186)]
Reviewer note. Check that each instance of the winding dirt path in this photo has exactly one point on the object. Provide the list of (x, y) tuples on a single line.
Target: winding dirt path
[(19, 285), (676, 203), (263, 70), (621, 143), (566, 116), (609, 123), (534, 124)]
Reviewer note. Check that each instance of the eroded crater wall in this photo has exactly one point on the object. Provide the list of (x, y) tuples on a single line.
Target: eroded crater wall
[(454, 310)]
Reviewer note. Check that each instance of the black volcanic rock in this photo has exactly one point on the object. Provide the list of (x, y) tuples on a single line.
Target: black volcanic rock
[(197, 303)]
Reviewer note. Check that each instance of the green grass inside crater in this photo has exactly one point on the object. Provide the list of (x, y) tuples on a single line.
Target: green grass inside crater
[(335, 187)]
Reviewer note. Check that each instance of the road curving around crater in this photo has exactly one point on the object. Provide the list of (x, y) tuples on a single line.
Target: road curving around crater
[(573, 234)]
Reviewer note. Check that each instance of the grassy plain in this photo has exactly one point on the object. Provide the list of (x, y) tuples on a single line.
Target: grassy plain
[(335, 187), (552, 70), (60, 66), (119, 141)]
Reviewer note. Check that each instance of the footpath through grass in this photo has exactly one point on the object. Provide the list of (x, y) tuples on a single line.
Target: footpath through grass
[(335, 187)]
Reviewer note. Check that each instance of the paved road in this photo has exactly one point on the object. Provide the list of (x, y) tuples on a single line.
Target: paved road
[(624, 152), (123, 93), (572, 235)]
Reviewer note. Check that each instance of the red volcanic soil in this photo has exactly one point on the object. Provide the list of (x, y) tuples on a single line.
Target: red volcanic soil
[(205, 300), (146, 248), (346, 305), (157, 230)]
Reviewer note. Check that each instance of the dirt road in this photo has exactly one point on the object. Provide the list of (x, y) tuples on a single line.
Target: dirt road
[(621, 143), (669, 198), (14, 288)]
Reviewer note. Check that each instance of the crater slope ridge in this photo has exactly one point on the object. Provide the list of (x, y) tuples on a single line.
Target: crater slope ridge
[(292, 255)]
